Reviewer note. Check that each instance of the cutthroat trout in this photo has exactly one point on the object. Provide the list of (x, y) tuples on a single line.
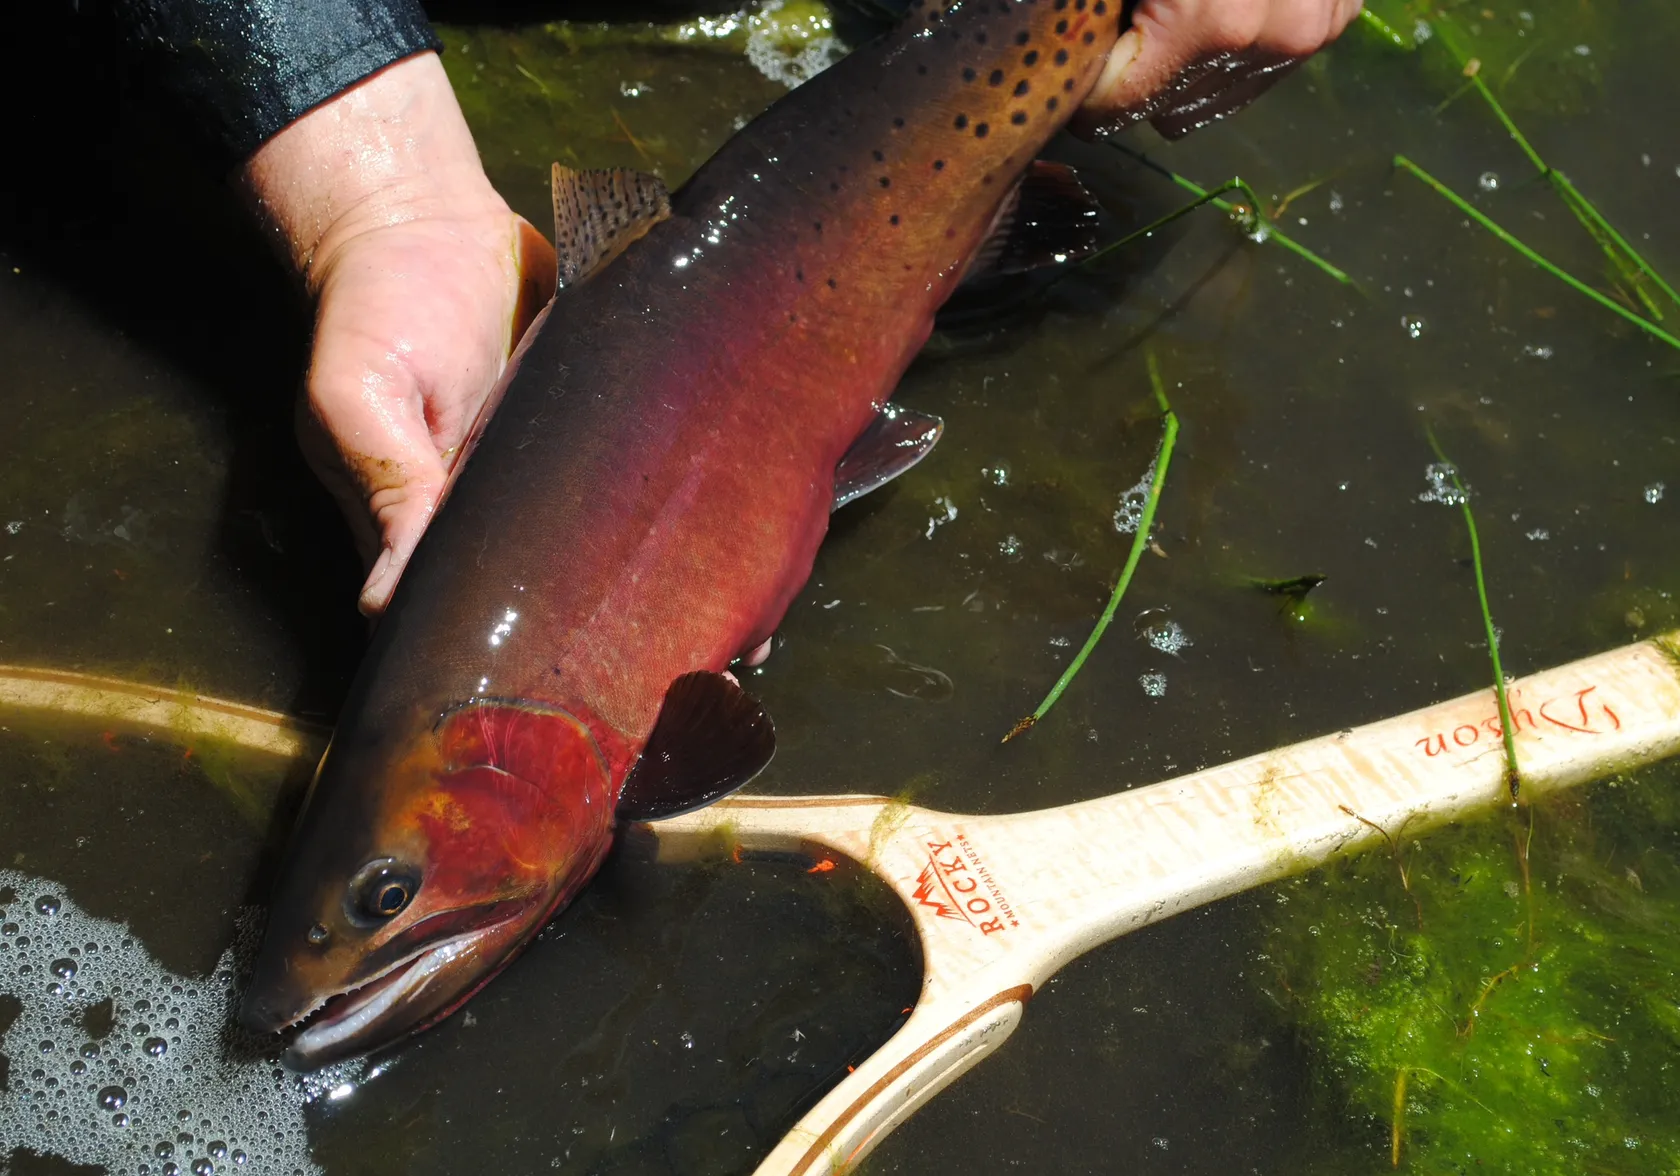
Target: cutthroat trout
[(646, 494)]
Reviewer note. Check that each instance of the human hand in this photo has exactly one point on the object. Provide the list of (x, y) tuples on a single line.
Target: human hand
[(423, 281), (1185, 63)]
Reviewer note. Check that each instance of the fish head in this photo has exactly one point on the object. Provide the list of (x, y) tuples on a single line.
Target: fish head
[(419, 868)]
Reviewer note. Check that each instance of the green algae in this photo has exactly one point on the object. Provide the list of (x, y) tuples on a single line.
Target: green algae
[(1499, 997)]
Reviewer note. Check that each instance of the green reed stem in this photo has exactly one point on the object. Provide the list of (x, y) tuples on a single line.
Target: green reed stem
[(1385, 30), (1513, 778), (1628, 261), (1252, 217), (1574, 283), (1169, 435)]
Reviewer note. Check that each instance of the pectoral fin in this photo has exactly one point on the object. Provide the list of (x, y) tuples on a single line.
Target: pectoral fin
[(598, 214), (895, 440), (1050, 219), (711, 737)]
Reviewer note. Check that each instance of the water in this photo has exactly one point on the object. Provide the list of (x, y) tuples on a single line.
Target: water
[(158, 526)]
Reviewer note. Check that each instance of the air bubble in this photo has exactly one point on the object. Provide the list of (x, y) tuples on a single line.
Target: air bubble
[(116, 1130), (1654, 493), (1489, 181), (47, 905), (1442, 488), (164, 1149), (1167, 636), (203, 1167), (1413, 325), (1154, 685)]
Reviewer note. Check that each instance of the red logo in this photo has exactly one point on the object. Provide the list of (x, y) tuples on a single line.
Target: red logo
[(955, 884)]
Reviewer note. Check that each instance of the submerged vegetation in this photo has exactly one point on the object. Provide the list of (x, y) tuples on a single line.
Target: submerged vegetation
[(1448, 489), (1499, 997), (1156, 478)]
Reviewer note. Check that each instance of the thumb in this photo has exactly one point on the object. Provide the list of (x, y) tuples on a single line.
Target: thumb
[(371, 446)]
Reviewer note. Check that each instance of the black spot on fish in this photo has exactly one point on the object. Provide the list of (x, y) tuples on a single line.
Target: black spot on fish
[(996, 78), (879, 158), (1021, 87), (833, 285), (1051, 103), (960, 122), (1068, 85), (833, 186), (1088, 37), (799, 275), (1079, 5), (793, 318), (1061, 4), (1031, 58), (1061, 27), (1019, 118), (1061, 57), (1022, 37), (1100, 8), (980, 37), (981, 130), (968, 74), (898, 123), (886, 182), (939, 165), (817, 225), (893, 219)]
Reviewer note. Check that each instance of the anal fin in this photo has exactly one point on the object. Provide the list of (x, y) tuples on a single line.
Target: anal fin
[(600, 213), (711, 737), (895, 440)]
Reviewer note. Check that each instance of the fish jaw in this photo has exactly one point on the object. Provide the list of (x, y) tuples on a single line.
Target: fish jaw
[(488, 821), (408, 996)]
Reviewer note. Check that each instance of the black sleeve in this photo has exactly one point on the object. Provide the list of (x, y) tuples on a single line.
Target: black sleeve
[(246, 68)]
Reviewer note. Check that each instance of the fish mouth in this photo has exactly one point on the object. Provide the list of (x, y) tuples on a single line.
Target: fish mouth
[(371, 1014)]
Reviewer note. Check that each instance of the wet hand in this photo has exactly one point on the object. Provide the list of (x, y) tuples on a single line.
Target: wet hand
[(1185, 63), (423, 280)]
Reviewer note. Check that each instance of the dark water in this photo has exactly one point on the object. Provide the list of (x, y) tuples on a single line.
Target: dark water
[(157, 525)]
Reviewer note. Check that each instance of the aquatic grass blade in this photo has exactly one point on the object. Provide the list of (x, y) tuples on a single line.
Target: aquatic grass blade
[(1573, 282), (1260, 227), (1163, 456), (1513, 777), (1386, 31), (1627, 260)]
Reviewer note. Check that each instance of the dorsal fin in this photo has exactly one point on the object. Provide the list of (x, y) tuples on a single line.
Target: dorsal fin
[(711, 737), (895, 440), (1050, 219), (597, 214)]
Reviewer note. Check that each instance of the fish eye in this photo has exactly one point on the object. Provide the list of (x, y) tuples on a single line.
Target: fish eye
[(381, 889)]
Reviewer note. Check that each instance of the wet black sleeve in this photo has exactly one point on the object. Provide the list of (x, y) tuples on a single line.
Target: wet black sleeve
[(246, 68)]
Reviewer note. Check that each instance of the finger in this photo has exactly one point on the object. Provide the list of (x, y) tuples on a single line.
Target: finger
[(1347, 11), (1175, 43), (378, 455)]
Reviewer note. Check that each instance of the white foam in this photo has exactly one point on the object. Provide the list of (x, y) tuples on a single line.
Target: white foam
[(210, 1102)]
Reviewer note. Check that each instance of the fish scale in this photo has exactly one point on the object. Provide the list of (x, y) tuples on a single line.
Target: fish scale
[(643, 499)]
